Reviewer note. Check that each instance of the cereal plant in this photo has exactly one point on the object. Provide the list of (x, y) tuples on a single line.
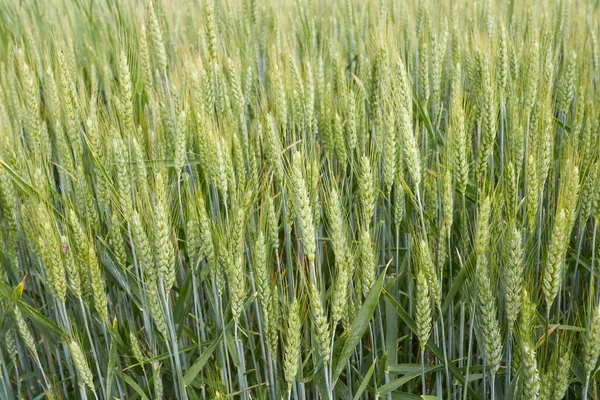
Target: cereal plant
[(251, 199)]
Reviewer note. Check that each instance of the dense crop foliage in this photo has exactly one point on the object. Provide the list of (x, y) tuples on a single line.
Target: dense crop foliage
[(299, 199)]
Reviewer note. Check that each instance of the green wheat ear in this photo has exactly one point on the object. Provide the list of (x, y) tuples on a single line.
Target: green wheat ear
[(201, 207), (293, 343), (83, 369)]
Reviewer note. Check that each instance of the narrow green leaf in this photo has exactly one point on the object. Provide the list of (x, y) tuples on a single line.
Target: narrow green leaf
[(405, 396), (110, 371), (396, 383), (365, 381), (41, 320), (200, 362), (132, 383), (358, 327), (405, 369), (430, 344)]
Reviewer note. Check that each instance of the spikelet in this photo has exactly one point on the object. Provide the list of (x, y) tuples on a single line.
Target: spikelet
[(81, 365), (423, 313), (211, 28), (366, 189), (227, 165), (351, 123), (32, 100), (532, 191), (409, 141), (389, 157), (309, 99), (447, 202), (489, 320), (260, 271), (511, 191), (192, 232), (142, 250), (236, 273), (52, 98), (91, 209), (158, 384), (341, 251), (135, 348), (157, 41), (546, 385), (281, 98), (274, 321), (569, 194), (49, 251), (592, 344), (488, 134), (11, 345), (367, 262), (483, 230), (319, 322), (340, 294), (206, 242), (303, 208), (8, 200), (293, 343), (518, 146), (297, 96), (156, 311), (588, 142), (239, 163), (139, 166), (513, 274), (502, 68), (589, 192), (69, 102), (546, 151), (399, 201), (220, 173), (145, 58), (79, 240), (531, 377), (554, 262), (595, 56), (527, 318), (23, 330), (236, 89), (272, 148), (69, 262), (180, 143), (531, 85), (338, 138), (164, 252), (561, 367), (438, 46), (428, 267), (566, 88), (126, 94), (97, 282), (272, 223), (64, 152), (123, 182), (411, 149), (596, 195), (116, 239), (486, 299), (424, 73)]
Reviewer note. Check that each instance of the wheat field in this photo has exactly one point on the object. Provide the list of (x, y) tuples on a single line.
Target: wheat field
[(246, 199)]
